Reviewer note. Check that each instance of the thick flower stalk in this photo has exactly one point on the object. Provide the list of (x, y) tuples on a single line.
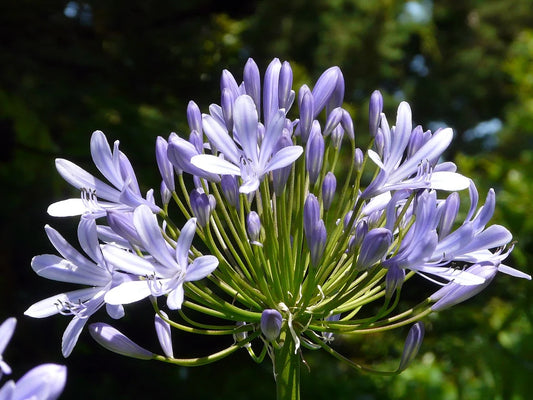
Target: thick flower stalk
[(293, 234)]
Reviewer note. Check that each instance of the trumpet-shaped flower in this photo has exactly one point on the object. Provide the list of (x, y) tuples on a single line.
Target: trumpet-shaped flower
[(122, 194), (252, 161), (166, 270), (73, 267)]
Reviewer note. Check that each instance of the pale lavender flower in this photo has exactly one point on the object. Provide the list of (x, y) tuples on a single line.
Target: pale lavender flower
[(44, 382), (168, 267), (271, 321), (420, 170), (253, 161), (115, 341), (73, 267), (122, 194), (6, 332)]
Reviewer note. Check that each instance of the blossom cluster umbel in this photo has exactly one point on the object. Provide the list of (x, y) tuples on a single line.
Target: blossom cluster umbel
[(287, 237)]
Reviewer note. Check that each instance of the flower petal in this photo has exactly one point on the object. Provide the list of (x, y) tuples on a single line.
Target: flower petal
[(220, 138), (128, 292), (215, 165), (201, 267), (245, 120), (283, 158)]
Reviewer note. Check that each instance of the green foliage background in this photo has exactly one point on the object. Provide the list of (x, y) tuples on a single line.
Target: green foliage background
[(130, 67)]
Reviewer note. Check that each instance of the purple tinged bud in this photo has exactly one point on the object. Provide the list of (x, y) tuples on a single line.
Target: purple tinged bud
[(374, 247), (449, 213), (281, 175), (113, 340), (416, 140), (253, 226), (454, 293), (358, 159), (314, 153), (227, 81), (311, 213), (252, 83), (347, 124), (271, 321), (230, 189), (334, 119), (317, 242), (337, 96), (324, 89), (166, 194), (122, 224), (194, 117), (374, 111), (328, 189), (412, 345), (165, 166), (162, 329), (285, 91), (347, 219), (227, 108), (360, 232), (393, 280), (201, 206), (336, 137), (180, 152), (306, 106), (270, 90), (197, 141)]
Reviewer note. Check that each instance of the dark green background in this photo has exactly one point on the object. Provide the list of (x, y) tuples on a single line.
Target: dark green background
[(130, 67)]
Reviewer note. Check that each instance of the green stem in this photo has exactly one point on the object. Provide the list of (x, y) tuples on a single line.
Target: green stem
[(287, 370)]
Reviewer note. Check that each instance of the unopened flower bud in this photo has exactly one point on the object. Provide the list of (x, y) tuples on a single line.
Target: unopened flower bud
[(328, 189), (285, 93), (358, 159), (163, 331), (113, 340), (374, 246), (306, 106), (311, 213), (271, 321), (314, 153), (165, 166), (412, 345), (374, 111), (252, 82), (194, 117), (230, 188), (253, 226), (201, 206)]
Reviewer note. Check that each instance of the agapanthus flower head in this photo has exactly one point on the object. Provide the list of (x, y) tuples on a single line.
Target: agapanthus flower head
[(288, 249)]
